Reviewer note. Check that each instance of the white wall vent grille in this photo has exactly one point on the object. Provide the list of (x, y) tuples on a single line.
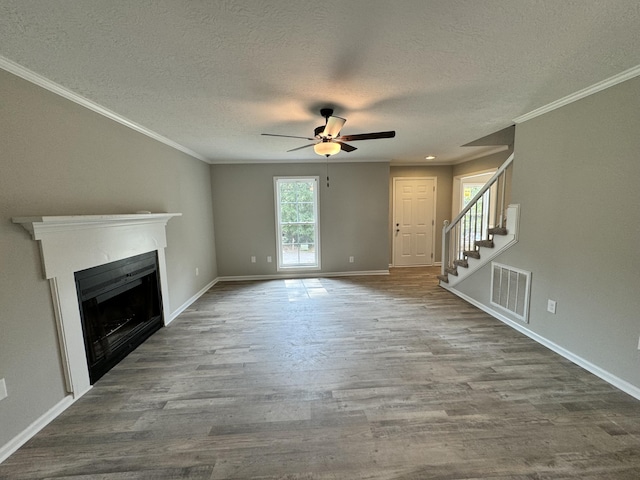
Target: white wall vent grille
[(510, 289)]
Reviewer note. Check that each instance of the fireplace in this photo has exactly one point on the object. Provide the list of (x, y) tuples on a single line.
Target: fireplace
[(75, 243), (120, 307)]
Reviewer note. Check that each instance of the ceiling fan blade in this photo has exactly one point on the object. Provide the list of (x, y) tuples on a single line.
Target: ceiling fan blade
[(287, 136), (345, 147), (300, 148), (333, 127), (367, 136)]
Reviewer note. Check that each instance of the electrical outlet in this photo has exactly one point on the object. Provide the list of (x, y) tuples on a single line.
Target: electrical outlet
[(3, 389), (551, 306), (351, 259), (253, 259), (269, 259)]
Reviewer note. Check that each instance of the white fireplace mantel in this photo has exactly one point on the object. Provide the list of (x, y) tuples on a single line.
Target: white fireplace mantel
[(76, 242)]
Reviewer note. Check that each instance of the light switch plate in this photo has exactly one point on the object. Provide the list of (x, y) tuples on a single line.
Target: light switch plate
[(551, 306)]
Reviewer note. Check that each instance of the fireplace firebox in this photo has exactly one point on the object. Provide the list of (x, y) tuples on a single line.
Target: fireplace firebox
[(120, 307)]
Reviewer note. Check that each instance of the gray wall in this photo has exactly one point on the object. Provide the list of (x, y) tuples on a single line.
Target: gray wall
[(58, 158), (576, 174), (353, 216), (493, 161)]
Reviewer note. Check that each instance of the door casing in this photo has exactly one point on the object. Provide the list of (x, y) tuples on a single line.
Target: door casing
[(430, 257)]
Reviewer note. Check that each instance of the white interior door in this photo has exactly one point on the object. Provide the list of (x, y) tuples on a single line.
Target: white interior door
[(413, 221)]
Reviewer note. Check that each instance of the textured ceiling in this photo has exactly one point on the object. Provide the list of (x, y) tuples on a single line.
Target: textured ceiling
[(213, 75)]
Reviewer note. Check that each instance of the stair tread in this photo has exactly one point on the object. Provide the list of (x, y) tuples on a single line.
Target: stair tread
[(443, 278), (461, 263), (452, 271), (484, 243), (498, 231), (472, 254)]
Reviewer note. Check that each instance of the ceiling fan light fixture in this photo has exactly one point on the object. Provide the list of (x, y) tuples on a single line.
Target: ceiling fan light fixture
[(329, 139), (326, 148)]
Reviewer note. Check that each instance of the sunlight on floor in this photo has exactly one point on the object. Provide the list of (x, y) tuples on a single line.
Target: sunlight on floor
[(301, 289)]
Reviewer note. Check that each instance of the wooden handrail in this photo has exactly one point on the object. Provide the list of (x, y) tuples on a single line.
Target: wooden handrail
[(482, 191), (460, 243)]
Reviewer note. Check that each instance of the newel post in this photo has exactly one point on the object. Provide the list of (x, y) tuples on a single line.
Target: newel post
[(445, 244)]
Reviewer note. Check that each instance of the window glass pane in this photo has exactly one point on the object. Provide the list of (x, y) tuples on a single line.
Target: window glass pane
[(306, 234), (287, 192), (290, 255), (289, 234), (305, 192), (297, 223), (288, 213), (305, 212)]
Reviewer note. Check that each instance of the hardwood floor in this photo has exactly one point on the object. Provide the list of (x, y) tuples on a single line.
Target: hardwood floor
[(383, 377)]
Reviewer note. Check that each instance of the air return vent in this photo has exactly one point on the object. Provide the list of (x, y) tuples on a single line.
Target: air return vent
[(510, 290)]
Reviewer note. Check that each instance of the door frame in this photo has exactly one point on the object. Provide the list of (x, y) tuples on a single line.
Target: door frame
[(393, 219)]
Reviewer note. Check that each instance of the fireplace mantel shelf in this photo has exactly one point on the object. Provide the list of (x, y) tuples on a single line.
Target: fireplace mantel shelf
[(55, 223)]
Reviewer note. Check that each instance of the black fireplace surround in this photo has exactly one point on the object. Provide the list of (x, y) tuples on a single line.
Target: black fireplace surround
[(120, 307)]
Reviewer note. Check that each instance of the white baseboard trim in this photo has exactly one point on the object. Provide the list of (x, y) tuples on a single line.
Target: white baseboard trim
[(66, 402), (434, 264), (608, 377), (190, 301), (242, 278), (23, 437)]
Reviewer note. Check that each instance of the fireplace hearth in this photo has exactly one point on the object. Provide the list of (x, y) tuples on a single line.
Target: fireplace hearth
[(120, 307)]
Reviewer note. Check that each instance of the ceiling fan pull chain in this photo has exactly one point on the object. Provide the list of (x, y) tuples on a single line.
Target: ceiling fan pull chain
[(327, 172)]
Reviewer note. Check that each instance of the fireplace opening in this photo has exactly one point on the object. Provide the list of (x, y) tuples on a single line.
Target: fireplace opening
[(120, 307)]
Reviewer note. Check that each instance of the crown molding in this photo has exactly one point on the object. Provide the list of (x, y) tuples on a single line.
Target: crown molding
[(481, 154), (580, 94), (37, 79), (330, 161), (457, 160)]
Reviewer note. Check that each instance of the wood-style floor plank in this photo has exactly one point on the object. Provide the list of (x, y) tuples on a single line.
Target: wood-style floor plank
[(376, 378)]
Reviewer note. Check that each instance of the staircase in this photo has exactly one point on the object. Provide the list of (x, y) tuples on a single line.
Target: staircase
[(481, 231)]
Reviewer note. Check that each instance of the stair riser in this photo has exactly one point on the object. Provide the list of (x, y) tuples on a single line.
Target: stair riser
[(476, 259)]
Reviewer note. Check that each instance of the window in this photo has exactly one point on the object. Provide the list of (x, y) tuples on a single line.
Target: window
[(297, 226)]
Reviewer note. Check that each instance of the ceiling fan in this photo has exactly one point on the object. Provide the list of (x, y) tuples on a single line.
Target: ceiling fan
[(327, 138)]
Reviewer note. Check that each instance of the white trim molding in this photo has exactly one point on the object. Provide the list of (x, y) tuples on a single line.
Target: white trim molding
[(394, 209), (190, 301), (572, 357), (283, 276), (19, 440), (580, 94), (72, 243), (37, 79)]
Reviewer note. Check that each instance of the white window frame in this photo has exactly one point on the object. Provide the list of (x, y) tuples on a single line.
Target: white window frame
[(316, 213)]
